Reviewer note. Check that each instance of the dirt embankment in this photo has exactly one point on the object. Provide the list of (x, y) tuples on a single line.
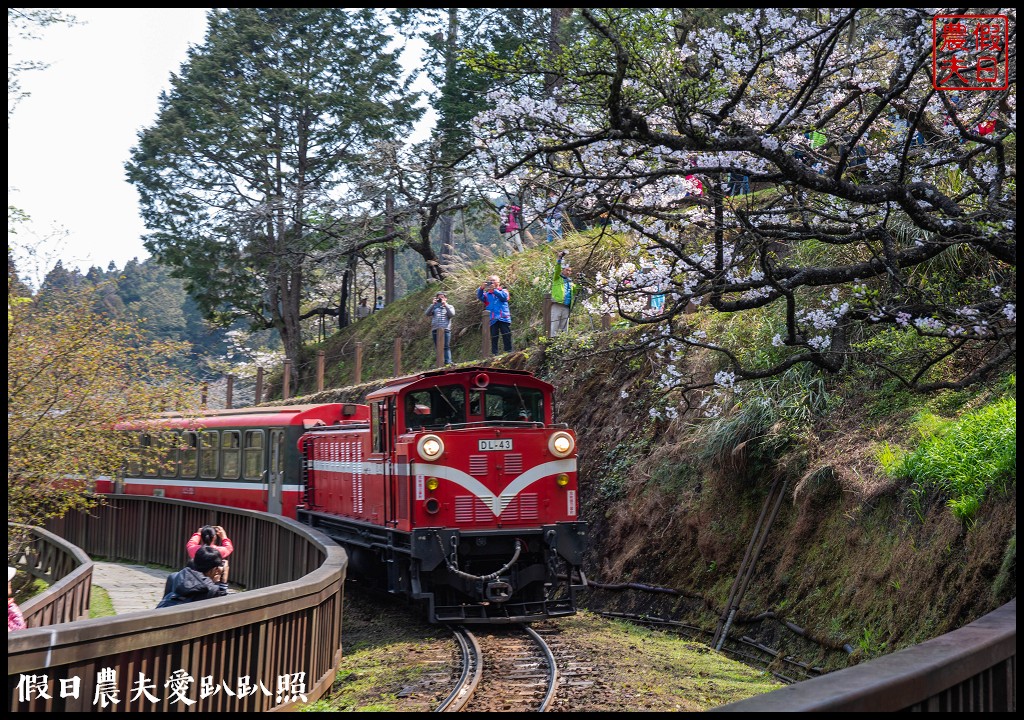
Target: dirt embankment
[(851, 557)]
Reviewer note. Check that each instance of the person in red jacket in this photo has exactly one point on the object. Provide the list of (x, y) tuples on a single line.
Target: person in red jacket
[(213, 536)]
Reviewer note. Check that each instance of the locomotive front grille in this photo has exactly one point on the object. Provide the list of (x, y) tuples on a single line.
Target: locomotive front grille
[(513, 463), (477, 464), (469, 509), (465, 509), (523, 507)]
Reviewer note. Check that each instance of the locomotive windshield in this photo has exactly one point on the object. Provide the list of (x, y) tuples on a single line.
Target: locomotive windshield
[(443, 405), (447, 405), (507, 402)]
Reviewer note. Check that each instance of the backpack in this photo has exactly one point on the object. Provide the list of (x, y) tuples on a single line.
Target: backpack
[(503, 228)]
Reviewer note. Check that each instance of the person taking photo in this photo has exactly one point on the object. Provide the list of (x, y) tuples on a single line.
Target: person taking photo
[(563, 291), (441, 313), (495, 297)]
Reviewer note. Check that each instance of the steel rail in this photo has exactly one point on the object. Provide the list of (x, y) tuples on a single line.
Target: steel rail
[(549, 697), (472, 671)]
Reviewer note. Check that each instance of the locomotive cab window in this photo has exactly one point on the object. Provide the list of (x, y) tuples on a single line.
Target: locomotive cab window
[(381, 417), (513, 403), (440, 406), (375, 428)]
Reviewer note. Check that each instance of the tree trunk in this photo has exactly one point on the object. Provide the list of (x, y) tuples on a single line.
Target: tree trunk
[(559, 16), (449, 141), (347, 279), (426, 251), (446, 232), (389, 253)]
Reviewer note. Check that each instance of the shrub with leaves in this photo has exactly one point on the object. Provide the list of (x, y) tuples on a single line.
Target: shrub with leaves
[(71, 375)]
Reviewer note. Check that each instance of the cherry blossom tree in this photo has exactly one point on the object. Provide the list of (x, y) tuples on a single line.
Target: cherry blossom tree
[(796, 164)]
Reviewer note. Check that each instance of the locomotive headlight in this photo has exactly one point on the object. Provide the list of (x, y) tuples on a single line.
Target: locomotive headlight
[(562, 480), (561, 444), (432, 483), (430, 447)]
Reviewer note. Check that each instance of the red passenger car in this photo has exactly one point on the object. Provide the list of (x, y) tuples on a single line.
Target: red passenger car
[(244, 458)]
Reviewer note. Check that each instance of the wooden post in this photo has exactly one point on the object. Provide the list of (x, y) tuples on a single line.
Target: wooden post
[(319, 370), (259, 386), (546, 328), (606, 321), (202, 395), (359, 364), (229, 392), (398, 357), (286, 386), (485, 335), (439, 346)]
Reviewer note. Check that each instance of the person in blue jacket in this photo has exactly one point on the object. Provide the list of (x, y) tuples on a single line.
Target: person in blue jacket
[(491, 294)]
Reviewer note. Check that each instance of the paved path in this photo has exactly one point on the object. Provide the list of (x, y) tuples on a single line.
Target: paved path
[(131, 587)]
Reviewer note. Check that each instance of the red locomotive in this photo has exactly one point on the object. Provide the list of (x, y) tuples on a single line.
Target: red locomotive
[(452, 487)]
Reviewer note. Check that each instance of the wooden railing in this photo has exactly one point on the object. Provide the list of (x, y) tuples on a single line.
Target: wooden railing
[(271, 647), (66, 568), (973, 669)]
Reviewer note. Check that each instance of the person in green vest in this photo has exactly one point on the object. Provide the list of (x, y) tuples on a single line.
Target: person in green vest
[(563, 291)]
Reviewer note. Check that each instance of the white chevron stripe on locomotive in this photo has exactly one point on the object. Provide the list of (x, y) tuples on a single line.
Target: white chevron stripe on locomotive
[(497, 503)]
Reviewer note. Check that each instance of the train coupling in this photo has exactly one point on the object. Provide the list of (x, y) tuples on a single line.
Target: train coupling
[(498, 591)]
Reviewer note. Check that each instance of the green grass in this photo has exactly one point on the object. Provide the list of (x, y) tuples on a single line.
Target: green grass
[(100, 604), (964, 459), (388, 666), (30, 590)]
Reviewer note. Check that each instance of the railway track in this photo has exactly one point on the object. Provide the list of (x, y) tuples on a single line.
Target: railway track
[(600, 668), (503, 670)]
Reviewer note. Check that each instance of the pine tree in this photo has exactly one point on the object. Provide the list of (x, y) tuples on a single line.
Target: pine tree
[(267, 120)]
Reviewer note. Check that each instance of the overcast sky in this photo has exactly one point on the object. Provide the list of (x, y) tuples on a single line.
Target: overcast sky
[(68, 142)]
